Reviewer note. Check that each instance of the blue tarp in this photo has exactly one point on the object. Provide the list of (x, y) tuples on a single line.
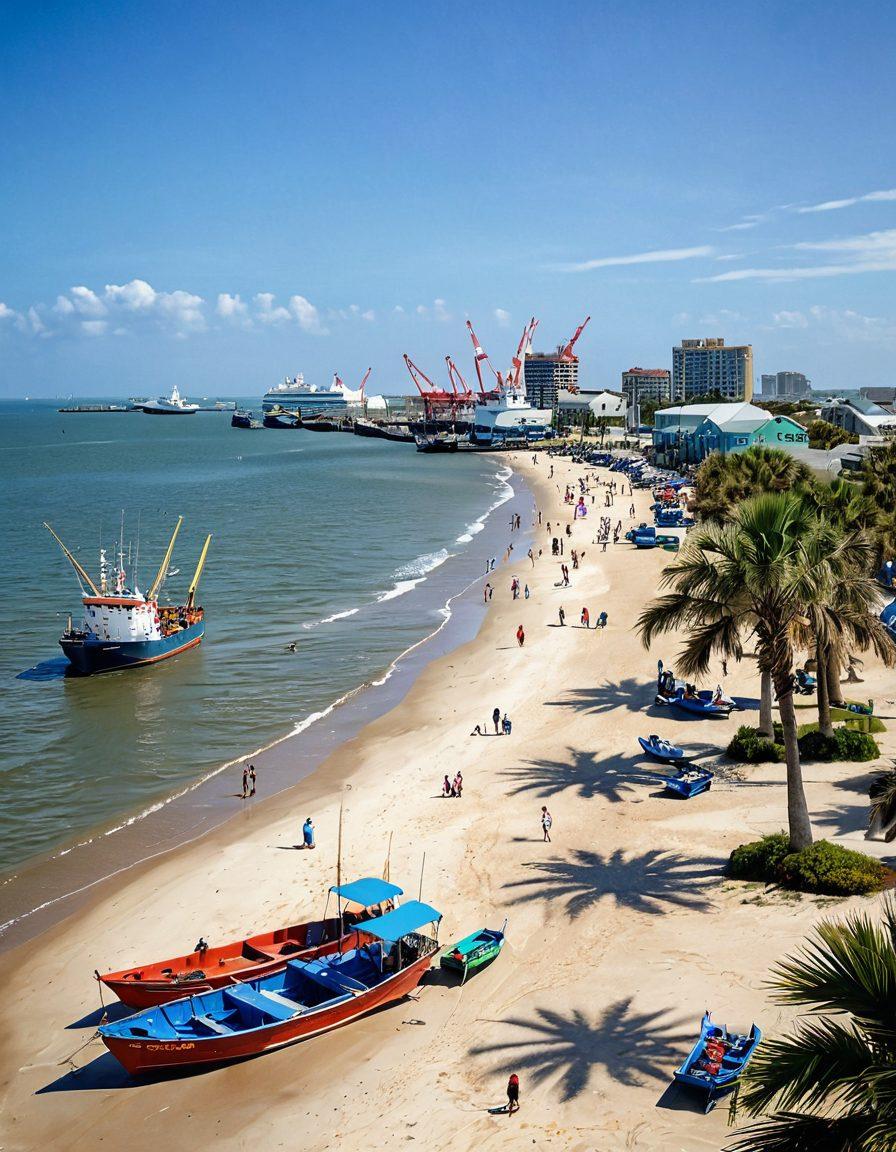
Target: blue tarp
[(408, 918), (368, 890)]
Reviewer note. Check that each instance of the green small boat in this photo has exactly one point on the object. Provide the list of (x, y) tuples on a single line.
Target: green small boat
[(474, 951)]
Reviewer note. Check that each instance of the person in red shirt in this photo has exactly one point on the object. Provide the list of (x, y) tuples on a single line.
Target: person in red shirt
[(513, 1094), (520, 636)]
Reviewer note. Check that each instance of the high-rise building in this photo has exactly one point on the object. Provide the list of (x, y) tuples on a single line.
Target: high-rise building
[(785, 385), (640, 385), (710, 365), (769, 385), (544, 373)]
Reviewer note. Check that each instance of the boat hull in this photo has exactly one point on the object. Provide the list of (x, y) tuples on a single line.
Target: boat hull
[(143, 1056), (88, 657), (145, 986)]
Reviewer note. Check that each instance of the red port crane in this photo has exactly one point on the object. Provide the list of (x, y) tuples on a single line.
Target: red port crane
[(455, 378), (567, 353), (437, 401), (478, 356), (520, 358)]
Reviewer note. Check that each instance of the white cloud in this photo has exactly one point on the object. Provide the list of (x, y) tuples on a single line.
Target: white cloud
[(871, 252), (440, 311), (502, 316), (63, 306), (421, 310), (136, 295), (184, 308), (833, 205), (266, 312), (231, 307), (86, 302), (658, 256), (306, 315), (94, 327), (790, 320), (398, 309), (369, 315), (7, 313)]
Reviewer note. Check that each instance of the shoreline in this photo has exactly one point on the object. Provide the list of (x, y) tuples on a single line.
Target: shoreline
[(621, 931), (197, 808)]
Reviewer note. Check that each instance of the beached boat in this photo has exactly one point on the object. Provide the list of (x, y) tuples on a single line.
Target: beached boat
[(122, 627), (717, 1060), (321, 424), (241, 419), (646, 536), (689, 781), (474, 951), (204, 969), (662, 750), (686, 697), (303, 999), (282, 418), (442, 442), (399, 433)]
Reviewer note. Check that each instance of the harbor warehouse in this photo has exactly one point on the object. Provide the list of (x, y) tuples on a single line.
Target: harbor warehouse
[(689, 432)]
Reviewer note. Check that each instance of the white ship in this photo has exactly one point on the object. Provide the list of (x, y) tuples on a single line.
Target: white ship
[(297, 396), (172, 405), (506, 418)]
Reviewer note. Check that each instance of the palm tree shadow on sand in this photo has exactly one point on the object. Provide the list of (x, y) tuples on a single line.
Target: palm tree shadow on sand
[(615, 778), (633, 694), (632, 1048), (653, 882)]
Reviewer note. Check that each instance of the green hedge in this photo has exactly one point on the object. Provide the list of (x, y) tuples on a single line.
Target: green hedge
[(748, 747), (824, 869)]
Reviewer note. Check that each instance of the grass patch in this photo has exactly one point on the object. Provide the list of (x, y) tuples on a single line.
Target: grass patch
[(823, 868)]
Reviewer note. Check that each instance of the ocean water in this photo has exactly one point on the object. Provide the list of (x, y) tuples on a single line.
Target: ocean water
[(326, 540)]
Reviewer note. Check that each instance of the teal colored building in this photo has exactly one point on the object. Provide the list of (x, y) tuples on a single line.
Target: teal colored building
[(688, 433)]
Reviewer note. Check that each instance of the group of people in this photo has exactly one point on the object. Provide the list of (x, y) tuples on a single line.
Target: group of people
[(453, 787), (502, 725), (248, 781), (515, 586)]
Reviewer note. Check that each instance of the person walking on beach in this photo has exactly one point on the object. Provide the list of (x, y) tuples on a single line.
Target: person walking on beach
[(526, 591), (308, 833), (631, 512), (245, 783), (546, 821), (496, 719), (506, 725), (520, 636), (446, 784), (531, 556), (458, 785), (513, 1094), (586, 618), (251, 779), (485, 592), (562, 616)]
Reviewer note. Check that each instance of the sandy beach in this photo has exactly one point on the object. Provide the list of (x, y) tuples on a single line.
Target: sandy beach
[(621, 931)]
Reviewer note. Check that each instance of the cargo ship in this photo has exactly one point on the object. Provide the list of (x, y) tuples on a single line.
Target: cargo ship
[(123, 627)]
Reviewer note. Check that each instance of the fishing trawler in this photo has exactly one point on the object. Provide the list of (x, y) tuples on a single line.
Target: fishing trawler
[(122, 627)]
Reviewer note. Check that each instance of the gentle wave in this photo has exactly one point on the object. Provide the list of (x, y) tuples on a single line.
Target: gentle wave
[(329, 619), (408, 576), (479, 523)]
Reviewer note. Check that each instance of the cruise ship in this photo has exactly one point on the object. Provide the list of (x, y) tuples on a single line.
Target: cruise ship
[(296, 396), (506, 418)]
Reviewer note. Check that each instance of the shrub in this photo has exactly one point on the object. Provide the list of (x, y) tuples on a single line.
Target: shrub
[(823, 868), (761, 859), (853, 745), (816, 746), (749, 747), (832, 870)]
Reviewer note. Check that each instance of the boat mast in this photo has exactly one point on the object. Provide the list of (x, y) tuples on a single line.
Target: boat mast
[(195, 581), (83, 578), (160, 576)]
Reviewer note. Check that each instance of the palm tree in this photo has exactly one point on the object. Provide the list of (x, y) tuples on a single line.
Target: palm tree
[(850, 621), (883, 804), (758, 574), (723, 482), (832, 1081)]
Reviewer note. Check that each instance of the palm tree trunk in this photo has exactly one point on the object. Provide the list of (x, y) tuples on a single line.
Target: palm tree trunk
[(766, 720), (798, 821), (823, 662), (832, 671)]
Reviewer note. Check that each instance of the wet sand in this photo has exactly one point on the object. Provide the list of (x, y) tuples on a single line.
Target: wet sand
[(621, 931)]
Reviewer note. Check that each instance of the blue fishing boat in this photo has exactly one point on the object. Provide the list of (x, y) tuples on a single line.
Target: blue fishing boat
[(689, 781), (474, 951), (686, 697), (305, 998), (662, 750), (717, 1060), (646, 536)]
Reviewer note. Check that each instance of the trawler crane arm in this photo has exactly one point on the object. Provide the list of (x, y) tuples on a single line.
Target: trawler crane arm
[(417, 375), (195, 581), (82, 575), (364, 381), (524, 346), (160, 575)]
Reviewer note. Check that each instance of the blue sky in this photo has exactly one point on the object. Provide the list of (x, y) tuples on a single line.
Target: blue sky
[(216, 195)]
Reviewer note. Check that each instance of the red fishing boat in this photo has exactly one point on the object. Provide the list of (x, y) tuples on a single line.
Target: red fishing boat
[(205, 968), (389, 958)]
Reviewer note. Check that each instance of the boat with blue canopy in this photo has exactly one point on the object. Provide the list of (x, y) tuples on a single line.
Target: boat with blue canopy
[(388, 959), (205, 968)]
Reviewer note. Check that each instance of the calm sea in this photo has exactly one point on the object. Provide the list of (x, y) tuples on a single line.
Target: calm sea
[(325, 540)]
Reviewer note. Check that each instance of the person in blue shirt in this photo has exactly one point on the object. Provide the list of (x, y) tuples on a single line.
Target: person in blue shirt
[(308, 833)]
